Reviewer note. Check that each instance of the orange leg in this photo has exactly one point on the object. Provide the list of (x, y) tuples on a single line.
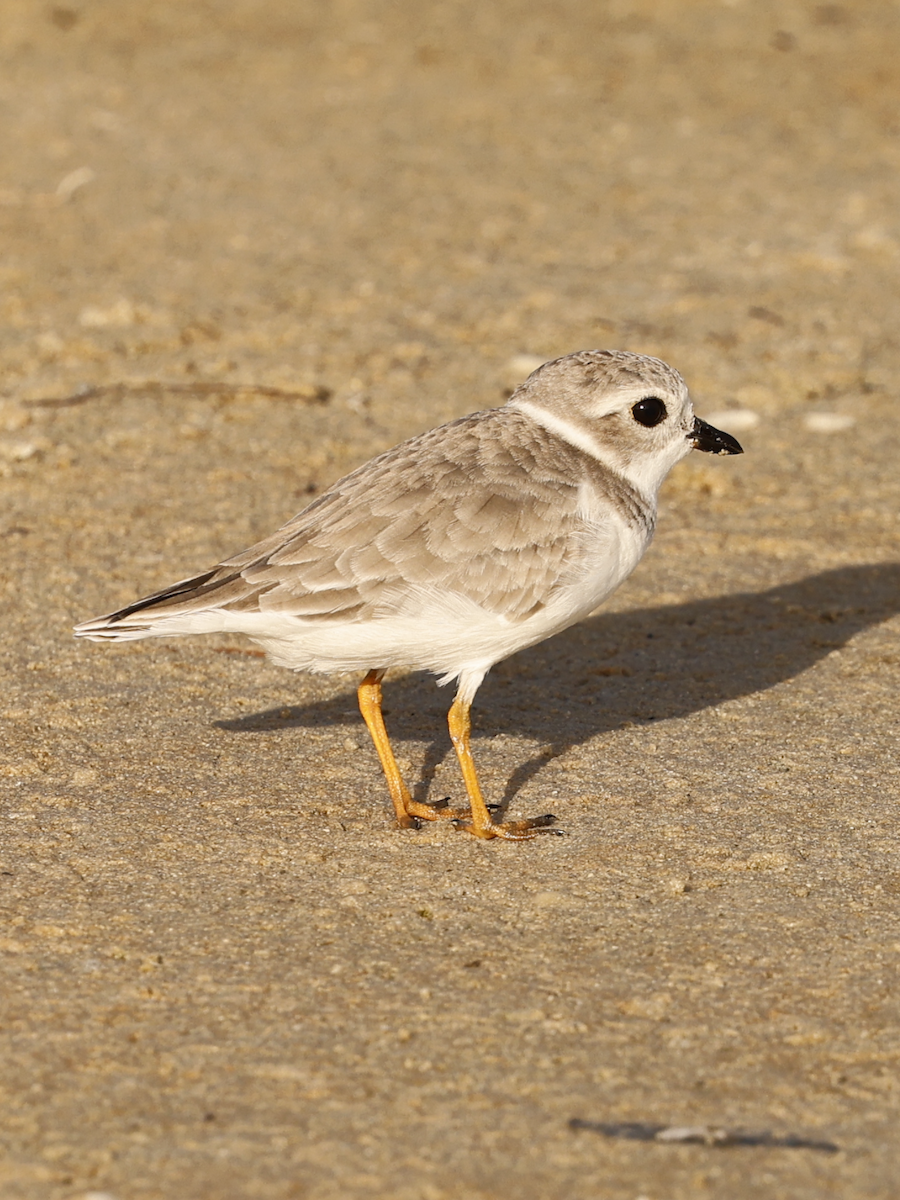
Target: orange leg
[(482, 824), (408, 810)]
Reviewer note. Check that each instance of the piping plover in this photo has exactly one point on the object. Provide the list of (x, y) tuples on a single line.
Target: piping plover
[(456, 548)]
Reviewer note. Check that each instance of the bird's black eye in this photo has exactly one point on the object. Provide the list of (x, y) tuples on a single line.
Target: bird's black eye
[(649, 411)]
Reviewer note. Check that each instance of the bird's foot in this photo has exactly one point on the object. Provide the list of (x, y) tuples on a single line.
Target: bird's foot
[(439, 810), (513, 831)]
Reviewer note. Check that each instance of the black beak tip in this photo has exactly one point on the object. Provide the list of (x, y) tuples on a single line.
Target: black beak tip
[(713, 441)]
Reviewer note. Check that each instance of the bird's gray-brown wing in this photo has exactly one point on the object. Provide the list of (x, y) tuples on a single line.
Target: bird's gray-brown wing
[(485, 507)]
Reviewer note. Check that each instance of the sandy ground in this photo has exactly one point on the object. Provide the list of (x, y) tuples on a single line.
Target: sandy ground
[(248, 244)]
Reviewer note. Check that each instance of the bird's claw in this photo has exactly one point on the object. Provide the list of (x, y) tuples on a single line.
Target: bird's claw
[(513, 831)]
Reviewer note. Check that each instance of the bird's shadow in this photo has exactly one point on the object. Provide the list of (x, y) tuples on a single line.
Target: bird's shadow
[(649, 664)]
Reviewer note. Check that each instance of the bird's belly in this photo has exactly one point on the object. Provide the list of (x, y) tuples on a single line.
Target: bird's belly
[(447, 632)]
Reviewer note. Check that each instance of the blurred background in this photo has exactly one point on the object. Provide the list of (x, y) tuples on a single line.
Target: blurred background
[(388, 199), (392, 213)]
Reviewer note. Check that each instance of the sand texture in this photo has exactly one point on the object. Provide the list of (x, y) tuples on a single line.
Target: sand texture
[(244, 246)]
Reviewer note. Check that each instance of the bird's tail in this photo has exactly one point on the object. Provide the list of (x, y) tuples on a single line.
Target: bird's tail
[(174, 611)]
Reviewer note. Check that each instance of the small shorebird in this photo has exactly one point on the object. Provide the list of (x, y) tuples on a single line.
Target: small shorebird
[(456, 549)]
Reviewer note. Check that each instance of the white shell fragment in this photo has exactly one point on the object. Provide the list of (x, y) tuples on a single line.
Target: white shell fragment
[(828, 422), (520, 366), (735, 420)]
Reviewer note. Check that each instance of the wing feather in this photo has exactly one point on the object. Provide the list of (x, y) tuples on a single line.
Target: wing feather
[(487, 507)]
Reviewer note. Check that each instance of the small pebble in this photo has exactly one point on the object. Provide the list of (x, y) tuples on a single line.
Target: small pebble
[(825, 422), (736, 419), (520, 366), (118, 316), (69, 184)]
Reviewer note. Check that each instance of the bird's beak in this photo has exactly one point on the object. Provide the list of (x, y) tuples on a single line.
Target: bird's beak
[(713, 441)]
